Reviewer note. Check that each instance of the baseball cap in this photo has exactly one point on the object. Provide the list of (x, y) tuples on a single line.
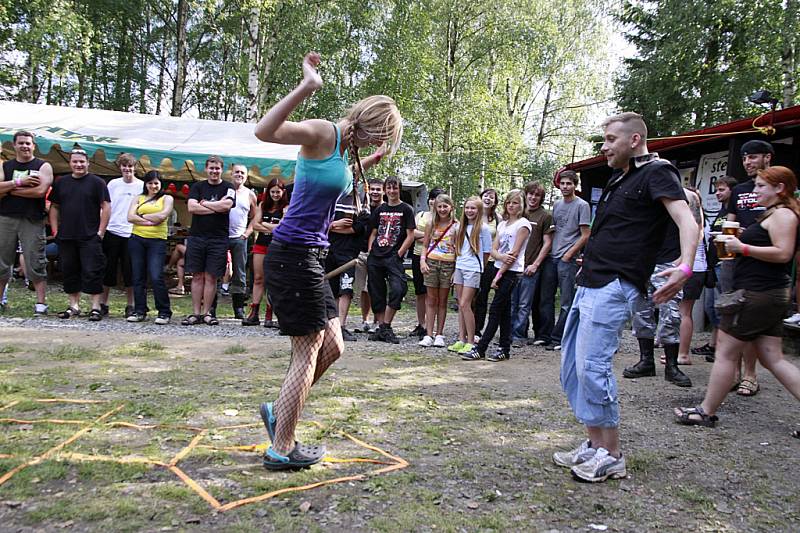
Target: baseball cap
[(756, 147)]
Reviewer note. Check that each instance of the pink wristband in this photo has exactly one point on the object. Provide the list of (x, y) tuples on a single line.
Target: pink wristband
[(686, 269), (18, 182)]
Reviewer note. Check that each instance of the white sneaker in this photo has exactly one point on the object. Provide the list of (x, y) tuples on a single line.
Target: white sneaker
[(581, 454), (162, 320), (600, 467), (426, 342), (40, 309), (539, 342), (439, 342), (793, 320)]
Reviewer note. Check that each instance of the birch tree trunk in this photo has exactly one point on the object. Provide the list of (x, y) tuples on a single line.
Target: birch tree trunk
[(180, 59)]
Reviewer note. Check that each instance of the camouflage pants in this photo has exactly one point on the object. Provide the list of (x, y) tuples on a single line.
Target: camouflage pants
[(669, 317)]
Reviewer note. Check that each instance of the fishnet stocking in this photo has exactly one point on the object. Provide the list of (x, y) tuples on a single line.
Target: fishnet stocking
[(311, 356)]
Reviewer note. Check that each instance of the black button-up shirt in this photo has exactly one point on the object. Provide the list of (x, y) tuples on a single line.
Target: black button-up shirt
[(630, 223)]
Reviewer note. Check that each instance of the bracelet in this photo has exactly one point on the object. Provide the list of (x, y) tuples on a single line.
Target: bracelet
[(745, 250), (686, 269)]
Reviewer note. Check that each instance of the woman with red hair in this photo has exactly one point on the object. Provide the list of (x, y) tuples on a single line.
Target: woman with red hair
[(761, 282)]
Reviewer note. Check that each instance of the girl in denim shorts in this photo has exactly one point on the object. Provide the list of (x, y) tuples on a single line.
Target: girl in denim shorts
[(437, 264)]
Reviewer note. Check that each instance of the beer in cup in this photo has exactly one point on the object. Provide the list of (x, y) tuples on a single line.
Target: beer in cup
[(730, 228), (722, 252)]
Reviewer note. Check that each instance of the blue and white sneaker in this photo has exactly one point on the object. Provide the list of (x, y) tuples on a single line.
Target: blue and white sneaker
[(600, 467), (579, 455)]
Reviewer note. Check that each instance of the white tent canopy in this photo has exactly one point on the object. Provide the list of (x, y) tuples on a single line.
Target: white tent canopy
[(176, 146)]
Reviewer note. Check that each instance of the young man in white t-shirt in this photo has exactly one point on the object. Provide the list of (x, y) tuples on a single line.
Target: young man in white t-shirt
[(115, 241)]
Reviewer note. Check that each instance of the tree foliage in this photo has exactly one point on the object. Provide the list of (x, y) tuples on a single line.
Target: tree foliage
[(698, 61), (493, 93)]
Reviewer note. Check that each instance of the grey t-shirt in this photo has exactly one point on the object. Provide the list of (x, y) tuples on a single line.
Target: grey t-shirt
[(568, 217)]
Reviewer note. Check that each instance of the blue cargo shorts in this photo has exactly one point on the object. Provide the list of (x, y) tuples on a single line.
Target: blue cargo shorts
[(591, 337)]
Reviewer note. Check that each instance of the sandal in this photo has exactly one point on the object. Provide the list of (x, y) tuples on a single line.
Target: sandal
[(210, 320), (190, 320), (302, 456), (95, 315), (69, 312), (683, 415), (705, 349), (748, 387), (268, 416)]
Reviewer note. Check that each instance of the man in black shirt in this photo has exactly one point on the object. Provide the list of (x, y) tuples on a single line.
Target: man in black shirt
[(207, 245), (743, 208), (392, 234), (643, 194), (345, 236), (24, 182), (80, 207)]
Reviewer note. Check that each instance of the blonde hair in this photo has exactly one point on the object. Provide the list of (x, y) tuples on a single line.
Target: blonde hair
[(633, 122), (378, 117), (510, 195), (475, 236), (442, 198)]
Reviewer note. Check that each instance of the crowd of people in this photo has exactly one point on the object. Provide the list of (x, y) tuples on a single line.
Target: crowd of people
[(644, 254)]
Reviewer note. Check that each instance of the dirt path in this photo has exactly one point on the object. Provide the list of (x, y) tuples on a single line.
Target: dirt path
[(478, 435)]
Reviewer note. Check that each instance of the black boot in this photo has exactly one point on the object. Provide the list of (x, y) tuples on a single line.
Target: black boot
[(237, 302), (252, 318), (671, 371), (646, 366)]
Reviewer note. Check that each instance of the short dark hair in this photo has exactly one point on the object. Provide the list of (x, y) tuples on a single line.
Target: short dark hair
[(126, 159), (374, 181), (436, 191), (215, 159), (24, 133), (570, 175), (533, 187), (392, 179), (730, 181)]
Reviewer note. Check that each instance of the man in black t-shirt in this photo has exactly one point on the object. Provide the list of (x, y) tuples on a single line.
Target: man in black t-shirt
[(345, 236), (207, 246), (642, 196), (392, 234), (80, 208), (743, 208), (24, 182)]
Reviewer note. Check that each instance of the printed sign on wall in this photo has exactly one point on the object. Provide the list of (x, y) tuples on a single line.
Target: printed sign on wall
[(710, 168)]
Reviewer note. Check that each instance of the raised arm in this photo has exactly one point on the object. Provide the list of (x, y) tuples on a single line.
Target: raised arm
[(274, 126)]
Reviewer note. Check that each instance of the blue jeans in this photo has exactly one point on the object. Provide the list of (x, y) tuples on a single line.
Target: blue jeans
[(521, 304), (557, 275), (709, 308), (238, 249), (591, 337), (147, 260)]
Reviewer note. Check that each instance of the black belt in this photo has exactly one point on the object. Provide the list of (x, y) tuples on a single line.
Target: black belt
[(297, 247)]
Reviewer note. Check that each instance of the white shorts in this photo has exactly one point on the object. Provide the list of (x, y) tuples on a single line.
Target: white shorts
[(467, 278)]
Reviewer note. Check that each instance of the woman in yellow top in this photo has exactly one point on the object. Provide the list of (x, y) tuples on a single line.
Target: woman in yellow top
[(148, 248), (438, 262)]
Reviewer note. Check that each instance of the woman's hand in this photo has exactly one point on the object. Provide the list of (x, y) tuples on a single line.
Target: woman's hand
[(311, 78), (733, 244), (508, 259), (423, 266)]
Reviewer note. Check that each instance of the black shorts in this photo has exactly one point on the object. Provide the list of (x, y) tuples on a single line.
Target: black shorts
[(761, 316), (206, 255), (417, 277), (343, 283), (694, 286), (115, 249), (295, 279), (83, 264)]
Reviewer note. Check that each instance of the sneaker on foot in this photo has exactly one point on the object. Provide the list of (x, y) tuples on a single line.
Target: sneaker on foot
[(455, 347), (386, 334), (426, 342), (129, 311), (137, 317), (162, 320), (363, 328), (539, 342), (346, 335), (501, 354), (40, 309), (517, 342), (472, 355), (793, 320), (600, 467), (418, 332), (466, 348), (553, 347), (581, 454), (439, 342)]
